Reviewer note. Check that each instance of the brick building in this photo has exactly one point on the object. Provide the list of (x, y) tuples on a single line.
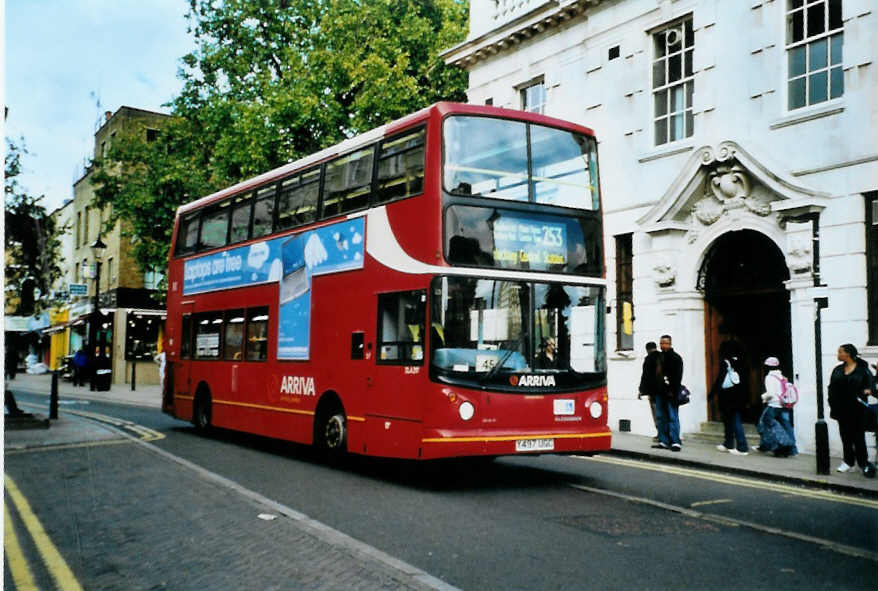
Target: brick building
[(131, 320)]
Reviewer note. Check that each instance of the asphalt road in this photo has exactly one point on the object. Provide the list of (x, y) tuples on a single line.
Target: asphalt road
[(537, 522)]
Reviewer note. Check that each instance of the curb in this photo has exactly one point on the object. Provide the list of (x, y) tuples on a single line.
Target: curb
[(78, 396), (812, 482)]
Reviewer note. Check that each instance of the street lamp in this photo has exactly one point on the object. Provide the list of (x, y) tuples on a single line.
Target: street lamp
[(97, 250)]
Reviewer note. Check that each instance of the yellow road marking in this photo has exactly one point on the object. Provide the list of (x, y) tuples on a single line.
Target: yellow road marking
[(145, 433), (739, 481), (51, 557), (713, 502), (21, 575)]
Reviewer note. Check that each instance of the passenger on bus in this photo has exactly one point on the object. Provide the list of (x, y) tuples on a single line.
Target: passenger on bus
[(548, 358)]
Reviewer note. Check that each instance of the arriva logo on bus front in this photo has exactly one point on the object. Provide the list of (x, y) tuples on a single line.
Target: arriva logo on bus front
[(297, 386), (531, 381)]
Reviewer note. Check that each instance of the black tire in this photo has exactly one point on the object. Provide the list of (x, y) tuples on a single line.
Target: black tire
[(201, 414), (331, 433)]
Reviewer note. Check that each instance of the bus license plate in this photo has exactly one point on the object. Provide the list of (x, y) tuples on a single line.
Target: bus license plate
[(534, 444)]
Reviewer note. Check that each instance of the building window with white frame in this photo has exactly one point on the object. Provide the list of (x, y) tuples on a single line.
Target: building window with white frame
[(814, 49), (673, 82), (533, 97)]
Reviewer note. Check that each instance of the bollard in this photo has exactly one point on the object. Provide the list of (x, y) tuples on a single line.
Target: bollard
[(133, 375), (53, 399)]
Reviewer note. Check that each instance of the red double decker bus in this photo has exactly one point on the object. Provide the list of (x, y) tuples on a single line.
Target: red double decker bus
[(432, 288)]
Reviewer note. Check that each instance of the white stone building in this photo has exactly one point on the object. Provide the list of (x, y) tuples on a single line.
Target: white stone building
[(731, 133)]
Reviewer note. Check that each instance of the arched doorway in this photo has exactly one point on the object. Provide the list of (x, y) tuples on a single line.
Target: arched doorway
[(746, 303)]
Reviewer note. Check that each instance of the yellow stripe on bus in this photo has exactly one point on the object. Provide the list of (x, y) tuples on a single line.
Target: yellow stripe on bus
[(271, 408), (54, 561), (263, 407), (513, 437)]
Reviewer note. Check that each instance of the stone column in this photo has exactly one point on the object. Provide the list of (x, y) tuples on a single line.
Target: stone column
[(684, 316)]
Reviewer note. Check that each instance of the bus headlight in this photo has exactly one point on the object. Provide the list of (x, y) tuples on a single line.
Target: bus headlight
[(596, 409), (466, 410)]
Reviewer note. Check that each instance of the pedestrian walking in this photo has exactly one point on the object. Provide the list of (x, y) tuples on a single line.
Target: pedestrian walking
[(666, 409), (80, 364), (775, 424), (731, 394), (160, 360), (10, 359), (849, 388), (650, 379)]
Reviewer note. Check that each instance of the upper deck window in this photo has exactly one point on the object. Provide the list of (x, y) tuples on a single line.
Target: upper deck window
[(516, 161), (400, 167), (215, 227), (240, 229), (263, 211), (348, 183), (187, 237), (297, 202)]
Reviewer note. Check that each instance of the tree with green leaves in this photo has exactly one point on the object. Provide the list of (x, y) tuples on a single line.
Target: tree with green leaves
[(272, 81), (33, 249)]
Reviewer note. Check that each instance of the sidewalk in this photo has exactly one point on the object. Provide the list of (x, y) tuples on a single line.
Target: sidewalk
[(149, 395), (801, 469)]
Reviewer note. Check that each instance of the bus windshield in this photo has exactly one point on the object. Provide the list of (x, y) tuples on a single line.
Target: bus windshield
[(501, 334), (519, 161)]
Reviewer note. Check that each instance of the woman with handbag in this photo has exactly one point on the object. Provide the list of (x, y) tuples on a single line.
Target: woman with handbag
[(731, 393), (849, 386)]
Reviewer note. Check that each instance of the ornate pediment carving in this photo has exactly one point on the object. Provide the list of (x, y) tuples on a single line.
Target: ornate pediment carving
[(727, 187), (722, 181)]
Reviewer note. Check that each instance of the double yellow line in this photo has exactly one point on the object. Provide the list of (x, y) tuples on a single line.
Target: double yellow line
[(18, 566)]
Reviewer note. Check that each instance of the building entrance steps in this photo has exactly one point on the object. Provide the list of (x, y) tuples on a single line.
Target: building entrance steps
[(713, 432)]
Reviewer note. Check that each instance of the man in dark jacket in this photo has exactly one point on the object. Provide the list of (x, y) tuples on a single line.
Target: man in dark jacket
[(666, 403), (650, 378)]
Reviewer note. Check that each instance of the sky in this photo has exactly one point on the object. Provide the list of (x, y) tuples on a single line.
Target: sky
[(68, 61)]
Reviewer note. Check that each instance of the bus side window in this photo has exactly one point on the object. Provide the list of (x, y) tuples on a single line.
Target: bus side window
[(208, 328), (297, 201), (400, 167), (240, 226), (257, 334), (186, 337), (348, 183), (263, 211), (215, 227), (401, 328), (233, 339), (187, 237)]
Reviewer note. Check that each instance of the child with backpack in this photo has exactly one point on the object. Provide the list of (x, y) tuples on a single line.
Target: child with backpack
[(776, 425)]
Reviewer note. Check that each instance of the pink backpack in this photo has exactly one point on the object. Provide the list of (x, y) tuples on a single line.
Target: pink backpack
[(789, 393)]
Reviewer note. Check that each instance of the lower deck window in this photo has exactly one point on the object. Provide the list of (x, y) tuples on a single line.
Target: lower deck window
[(257, 334), (401, 327)]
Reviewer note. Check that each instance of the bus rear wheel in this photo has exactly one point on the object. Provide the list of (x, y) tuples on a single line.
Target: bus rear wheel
[(201, 415), (335, 433)]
